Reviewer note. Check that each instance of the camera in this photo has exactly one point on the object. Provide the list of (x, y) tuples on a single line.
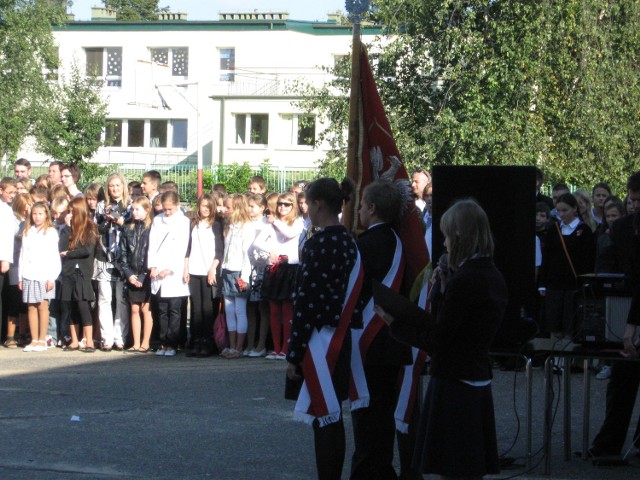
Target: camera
[(115, 211)]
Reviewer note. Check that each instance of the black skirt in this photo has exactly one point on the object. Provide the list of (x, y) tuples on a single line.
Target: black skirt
[(141, 294), (457, 432), (279, 281), (76, 287)]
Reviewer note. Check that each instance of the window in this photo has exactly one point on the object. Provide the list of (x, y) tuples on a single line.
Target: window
[(302, 129), (154, 133), (113, 133), (136, 133), (180, 130), (105, 63), (51, 70), (227, 64), (158, 134), (176, 58), (305, 127), (252, 128)]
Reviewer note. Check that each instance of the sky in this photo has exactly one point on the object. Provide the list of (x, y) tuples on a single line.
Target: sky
[(209, 9)]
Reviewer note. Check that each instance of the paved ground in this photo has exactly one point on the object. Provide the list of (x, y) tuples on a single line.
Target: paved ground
[(82, 416)]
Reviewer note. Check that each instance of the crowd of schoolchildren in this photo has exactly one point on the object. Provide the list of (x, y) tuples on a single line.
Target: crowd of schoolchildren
[(125, 267), (572, 238)]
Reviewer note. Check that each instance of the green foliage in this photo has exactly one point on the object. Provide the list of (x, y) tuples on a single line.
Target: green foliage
[(70, 130), (135, 10), (234, 176), (499, 82), (496, 82), (28, 50)]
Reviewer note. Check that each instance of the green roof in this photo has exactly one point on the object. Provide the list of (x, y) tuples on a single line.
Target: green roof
[(310, 28)]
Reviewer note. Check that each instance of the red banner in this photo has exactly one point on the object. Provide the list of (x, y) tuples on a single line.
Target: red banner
[(378, 157)]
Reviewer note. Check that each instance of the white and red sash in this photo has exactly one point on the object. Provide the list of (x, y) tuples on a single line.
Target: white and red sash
[(318, 398), (372, 323), (410, 377)]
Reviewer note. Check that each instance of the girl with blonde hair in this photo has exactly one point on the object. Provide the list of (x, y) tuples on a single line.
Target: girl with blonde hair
[(236, 272), (280, 241), (132, 261)]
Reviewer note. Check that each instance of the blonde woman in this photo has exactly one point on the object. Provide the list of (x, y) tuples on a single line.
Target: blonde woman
[(236, 272), (111, 216), (280, 241), (584, 209)]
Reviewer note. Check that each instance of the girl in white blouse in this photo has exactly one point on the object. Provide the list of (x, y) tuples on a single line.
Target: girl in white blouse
[(38, 268)]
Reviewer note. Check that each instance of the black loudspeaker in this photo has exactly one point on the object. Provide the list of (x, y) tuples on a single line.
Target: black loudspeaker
[(507, 194)]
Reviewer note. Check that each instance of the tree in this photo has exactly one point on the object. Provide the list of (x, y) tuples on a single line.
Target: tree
[(70, 129), (498, 82), (28, 50), (135, 9)]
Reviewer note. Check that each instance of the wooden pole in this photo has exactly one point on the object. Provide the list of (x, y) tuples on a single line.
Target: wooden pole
[(349, 214)]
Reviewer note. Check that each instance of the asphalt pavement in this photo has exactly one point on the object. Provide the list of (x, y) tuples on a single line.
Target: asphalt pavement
[(73, 415)]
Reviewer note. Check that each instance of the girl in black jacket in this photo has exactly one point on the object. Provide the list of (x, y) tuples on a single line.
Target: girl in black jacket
[(132, 262), (77, 246), (569, 252)]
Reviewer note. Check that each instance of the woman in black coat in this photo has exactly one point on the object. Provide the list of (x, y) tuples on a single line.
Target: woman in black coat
[(77, 246), (456, 437), (132, 262)]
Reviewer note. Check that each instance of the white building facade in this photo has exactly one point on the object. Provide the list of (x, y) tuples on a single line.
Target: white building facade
[(220, 91)]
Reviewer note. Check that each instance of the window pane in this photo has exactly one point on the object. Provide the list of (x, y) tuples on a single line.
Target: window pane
[(227, 64), (241, 127), (114, 61), (160, 55), (180, 130), (306, 130), (180, 62), (94, 61), (158, 134), (136, 133), (113, 133), (260, 129)]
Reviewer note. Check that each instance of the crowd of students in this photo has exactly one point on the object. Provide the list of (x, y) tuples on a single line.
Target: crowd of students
[(116, 267)]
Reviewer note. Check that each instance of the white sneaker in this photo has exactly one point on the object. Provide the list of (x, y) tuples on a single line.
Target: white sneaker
[(247, 353), (170, 352), (161, 352), (29, 348), (255, 354), (271, 356), (604, 373), (41, 347), (281, 356)]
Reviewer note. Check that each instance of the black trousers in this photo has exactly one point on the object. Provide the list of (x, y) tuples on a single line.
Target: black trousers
[(374, 427), (79, 312), (622, 390), (201, 323), (169, 312), (329, 444)]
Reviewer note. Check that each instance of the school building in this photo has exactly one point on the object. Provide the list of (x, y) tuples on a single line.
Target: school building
[(221, 90)]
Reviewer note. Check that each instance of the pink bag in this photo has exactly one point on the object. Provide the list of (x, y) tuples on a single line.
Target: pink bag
[(220, 333)]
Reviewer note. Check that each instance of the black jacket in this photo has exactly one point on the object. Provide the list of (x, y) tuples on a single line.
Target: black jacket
[(469, 315), (377, 247), (622, 255), (134, 245), (82, 257), (77, 268), (110, 231)]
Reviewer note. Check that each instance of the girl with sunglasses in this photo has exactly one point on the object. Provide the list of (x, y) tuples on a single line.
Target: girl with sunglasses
[(280, 241)]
